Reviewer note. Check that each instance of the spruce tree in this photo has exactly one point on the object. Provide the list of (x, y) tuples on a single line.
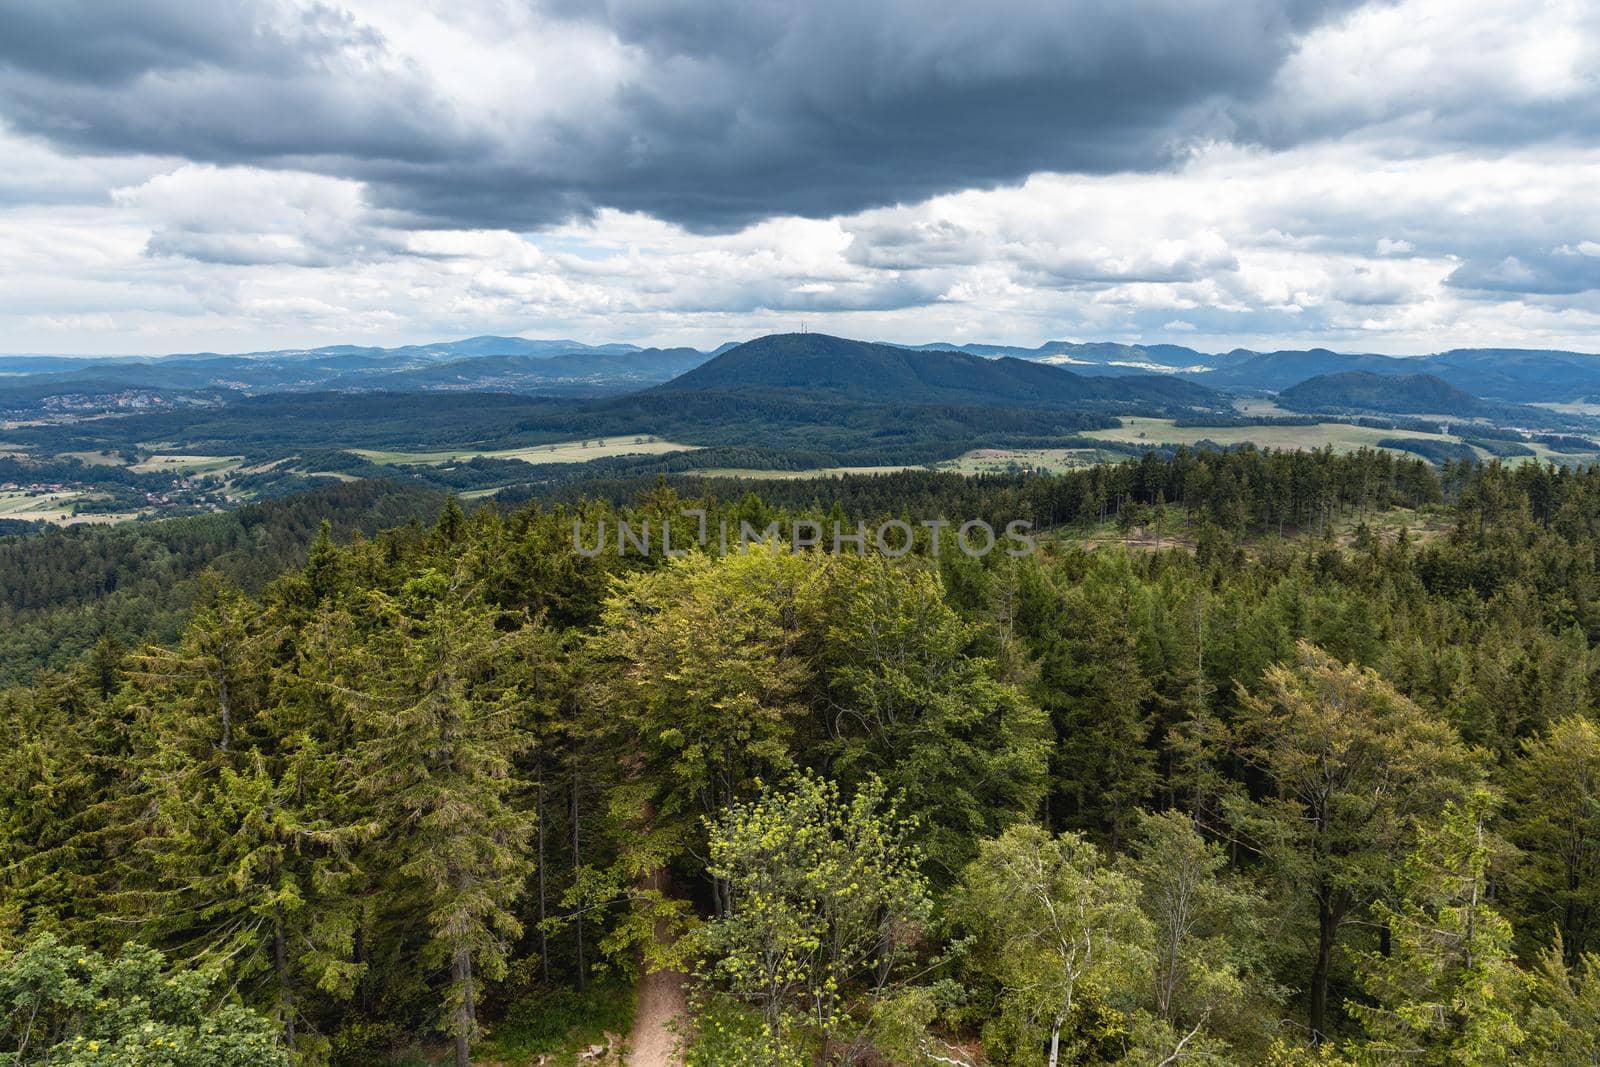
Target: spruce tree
[(439, 737)]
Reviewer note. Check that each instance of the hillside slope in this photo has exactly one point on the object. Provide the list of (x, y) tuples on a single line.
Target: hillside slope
[(874, 373), (1360, 390)]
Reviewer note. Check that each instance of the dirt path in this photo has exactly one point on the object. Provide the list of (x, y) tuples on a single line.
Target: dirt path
[(661, 1001)]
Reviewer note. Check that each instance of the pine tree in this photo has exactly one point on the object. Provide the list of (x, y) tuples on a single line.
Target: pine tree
[(247, 849)]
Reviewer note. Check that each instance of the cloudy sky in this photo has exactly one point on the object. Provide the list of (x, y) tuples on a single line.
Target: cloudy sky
[(1401, 175)]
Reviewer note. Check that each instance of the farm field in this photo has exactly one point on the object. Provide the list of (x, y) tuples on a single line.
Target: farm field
[(1577, 407), (556, 452), (1342, 437), (183, 464), (96, 459), (54, 508), (1546, 454)]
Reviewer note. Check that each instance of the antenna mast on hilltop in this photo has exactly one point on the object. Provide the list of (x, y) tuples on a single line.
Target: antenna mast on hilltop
[(802, 326)]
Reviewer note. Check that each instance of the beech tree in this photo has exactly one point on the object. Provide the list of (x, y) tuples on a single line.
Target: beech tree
[(902, 697), (1054, 921), (703, 676), (828, 908), (1209, 964), (69, 1006)]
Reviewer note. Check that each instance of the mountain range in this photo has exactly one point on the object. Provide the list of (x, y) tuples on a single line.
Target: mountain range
[(936, 371)]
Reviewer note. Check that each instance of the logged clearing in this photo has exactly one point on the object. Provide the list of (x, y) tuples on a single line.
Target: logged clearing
[(556, 452), (1009, 460)]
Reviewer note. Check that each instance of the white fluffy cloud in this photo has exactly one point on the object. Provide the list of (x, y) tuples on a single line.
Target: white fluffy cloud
[(1414, 176)]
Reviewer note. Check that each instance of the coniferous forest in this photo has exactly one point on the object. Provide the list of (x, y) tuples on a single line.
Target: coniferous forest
[(1259, 758)]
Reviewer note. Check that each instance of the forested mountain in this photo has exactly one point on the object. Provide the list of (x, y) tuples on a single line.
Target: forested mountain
[(1407, 394), (861, 371), (853, 402), (1105, 357), (1297, 766), (498, 363)]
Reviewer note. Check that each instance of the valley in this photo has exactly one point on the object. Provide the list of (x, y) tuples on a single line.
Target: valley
[(777, 407)]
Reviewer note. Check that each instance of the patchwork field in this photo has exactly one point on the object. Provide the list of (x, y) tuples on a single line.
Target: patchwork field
[(180, 464), (1546, 454), (1577, 407), (558, 452), (53, 507), (1342, 437)]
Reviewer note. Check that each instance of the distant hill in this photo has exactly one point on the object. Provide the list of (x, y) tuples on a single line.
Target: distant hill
[(487, 345), (1524, 375), (585, 373), (1512, 375), (574, 368), (1360, 390), (1273, 371), (864, 372), (498, 364), (1103, 357)]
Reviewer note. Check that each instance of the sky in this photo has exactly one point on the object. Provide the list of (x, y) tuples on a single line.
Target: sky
[(1396, 176)]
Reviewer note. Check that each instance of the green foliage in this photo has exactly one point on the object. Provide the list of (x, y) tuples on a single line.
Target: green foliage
[(558, 1023), (1351, 764), (68, 1006), (1555, 819), (1211, 987), (1563, 1022), (1061, 932), (827, 911), (439, 736), (964, 753), (1448, 991)]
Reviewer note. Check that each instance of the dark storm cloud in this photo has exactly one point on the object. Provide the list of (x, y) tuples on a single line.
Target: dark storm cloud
[(729, 112), (224, 83)]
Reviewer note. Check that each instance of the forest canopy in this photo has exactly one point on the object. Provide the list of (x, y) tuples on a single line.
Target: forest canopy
[(1262, 757)]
